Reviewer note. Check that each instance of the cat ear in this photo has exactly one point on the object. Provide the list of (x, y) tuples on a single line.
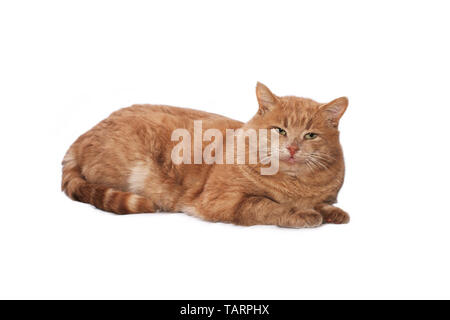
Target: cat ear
[(266, 99), (334, 110)]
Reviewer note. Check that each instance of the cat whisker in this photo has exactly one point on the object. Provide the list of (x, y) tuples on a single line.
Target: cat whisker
[(323, 156), (307, 162), (319, 164)]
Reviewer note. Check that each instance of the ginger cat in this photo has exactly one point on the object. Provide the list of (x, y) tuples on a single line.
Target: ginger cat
[(124, 165)]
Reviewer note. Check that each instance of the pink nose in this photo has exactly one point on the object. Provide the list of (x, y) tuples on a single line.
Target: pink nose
[(292, 149)]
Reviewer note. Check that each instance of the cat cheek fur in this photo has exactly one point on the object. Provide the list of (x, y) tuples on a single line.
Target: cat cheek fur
[(123, 165)]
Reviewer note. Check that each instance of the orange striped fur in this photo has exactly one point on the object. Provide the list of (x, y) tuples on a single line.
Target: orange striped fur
[(123, 165), (102, 197)]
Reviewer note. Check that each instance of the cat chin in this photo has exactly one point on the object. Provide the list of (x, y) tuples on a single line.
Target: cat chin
[(291, 162), (292, 173), (291, 168)]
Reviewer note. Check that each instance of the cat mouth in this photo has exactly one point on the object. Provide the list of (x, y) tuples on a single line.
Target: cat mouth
[(291, 160)]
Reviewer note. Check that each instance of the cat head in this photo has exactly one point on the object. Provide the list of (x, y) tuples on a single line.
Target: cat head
[(307, 130)]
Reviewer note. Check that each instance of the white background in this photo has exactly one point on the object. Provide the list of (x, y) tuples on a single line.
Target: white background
[(65, 65)]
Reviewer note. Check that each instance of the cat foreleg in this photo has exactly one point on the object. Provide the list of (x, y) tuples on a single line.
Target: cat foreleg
[(332, 214), (261, 210)]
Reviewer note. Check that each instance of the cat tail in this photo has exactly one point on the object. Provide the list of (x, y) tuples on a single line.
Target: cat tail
[(105, 198)]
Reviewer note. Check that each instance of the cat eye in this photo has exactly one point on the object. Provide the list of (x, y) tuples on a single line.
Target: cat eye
[(310, 136), (280, 131)]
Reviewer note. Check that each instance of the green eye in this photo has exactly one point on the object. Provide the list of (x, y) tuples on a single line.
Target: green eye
[(310, 136), (281, 131)]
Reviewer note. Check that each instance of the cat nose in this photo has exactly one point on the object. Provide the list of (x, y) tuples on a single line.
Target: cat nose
[(292, 149)]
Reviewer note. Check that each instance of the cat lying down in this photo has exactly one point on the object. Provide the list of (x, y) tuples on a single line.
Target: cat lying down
[(284, 167)]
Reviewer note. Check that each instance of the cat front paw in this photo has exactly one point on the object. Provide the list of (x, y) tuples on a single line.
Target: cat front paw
[(302, 219), (332, 214)]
